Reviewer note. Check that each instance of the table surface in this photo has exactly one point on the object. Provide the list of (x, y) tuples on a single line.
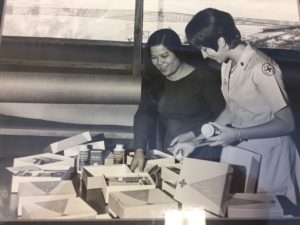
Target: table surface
[(94, 197)]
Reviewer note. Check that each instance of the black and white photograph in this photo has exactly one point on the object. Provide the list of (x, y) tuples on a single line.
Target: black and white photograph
[(150, 112)]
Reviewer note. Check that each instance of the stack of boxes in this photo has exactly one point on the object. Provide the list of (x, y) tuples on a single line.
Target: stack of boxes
[(41, 167), (43, 183), (200, 184), (125, 191), (51, 200), (41, 179), (45, 191)]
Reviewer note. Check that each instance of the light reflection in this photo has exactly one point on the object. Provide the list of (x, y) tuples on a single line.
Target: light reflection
[(185, 217)]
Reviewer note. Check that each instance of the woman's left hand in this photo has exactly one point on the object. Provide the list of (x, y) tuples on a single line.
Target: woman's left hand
[(227, 136)]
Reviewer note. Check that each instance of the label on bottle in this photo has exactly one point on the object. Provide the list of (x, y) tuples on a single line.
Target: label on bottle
[(119, 154), (83, 159), (96, 157)]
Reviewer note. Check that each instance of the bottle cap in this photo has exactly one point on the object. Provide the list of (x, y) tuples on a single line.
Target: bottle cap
[(207, 130), (119, 147)]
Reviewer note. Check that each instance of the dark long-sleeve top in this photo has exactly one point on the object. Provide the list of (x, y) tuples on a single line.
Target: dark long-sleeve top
[(182, 106)]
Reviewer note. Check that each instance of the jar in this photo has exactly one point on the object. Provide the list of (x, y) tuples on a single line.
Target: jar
[(209, 130)]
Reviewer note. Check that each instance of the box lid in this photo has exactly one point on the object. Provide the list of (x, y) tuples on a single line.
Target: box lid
[(204, 184)]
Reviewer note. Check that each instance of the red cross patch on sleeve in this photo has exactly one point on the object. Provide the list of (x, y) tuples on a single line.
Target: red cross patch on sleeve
[(268, 69)]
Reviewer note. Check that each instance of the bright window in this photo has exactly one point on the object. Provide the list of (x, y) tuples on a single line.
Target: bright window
[(266, 23), (76, 19)]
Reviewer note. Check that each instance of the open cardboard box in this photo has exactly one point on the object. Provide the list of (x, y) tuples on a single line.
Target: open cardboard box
[(254, 205), (63, 208), (39, 176), (45, 161), (44, 190), (245, 165), (152, 203), (133, 181), (91, 174)]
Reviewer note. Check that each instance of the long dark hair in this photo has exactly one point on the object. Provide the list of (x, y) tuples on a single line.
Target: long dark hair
[(153, 79), (208, 25)]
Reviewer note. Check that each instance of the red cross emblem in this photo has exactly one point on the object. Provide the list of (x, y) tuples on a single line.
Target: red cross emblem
[(268, 69), (182, 183)]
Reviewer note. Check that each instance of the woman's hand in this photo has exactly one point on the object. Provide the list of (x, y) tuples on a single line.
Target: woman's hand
[(182, 138), (227, 136), (138, 160), (182, 149)]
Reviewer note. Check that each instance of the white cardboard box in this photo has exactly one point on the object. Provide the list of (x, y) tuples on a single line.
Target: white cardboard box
[(63, 208), (91, 174), (246, 162), (39, 175), (204, 184), (169, 186), (158, 162), (73, 151), (170, 172), (151, 203), (44, 190), (250, 205), (129, 182), (46, 161), (108, 158), (153, 158), (69, 142)]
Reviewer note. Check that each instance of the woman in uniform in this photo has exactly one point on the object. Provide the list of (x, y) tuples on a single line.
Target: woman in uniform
[(176, 98), (257, 107)]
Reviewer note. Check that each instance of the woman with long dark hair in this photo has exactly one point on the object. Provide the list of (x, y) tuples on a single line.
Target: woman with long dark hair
[(176, 98)]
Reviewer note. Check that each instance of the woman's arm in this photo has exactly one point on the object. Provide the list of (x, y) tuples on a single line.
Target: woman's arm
[(281, 125), (271, 88), (144, 126)]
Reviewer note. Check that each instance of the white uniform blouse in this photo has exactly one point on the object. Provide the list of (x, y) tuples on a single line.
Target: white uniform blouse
[(254, 92)]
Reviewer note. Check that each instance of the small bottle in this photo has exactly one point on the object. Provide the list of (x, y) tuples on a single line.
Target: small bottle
[(119, 154), (82, 158), (209, 130), (96, 156)]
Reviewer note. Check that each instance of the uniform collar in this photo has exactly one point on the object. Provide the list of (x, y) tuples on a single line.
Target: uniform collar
[(246, 57)]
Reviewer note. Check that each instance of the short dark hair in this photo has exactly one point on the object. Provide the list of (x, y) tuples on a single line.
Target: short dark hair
[(168, 38), (208, 25)]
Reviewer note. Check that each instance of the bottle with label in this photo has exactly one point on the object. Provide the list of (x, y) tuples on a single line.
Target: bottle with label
[(209, 130), (119, 154), (82, 158), (96, 156)]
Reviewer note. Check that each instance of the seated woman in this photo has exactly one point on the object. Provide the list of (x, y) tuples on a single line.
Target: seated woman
[(178, 99)]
